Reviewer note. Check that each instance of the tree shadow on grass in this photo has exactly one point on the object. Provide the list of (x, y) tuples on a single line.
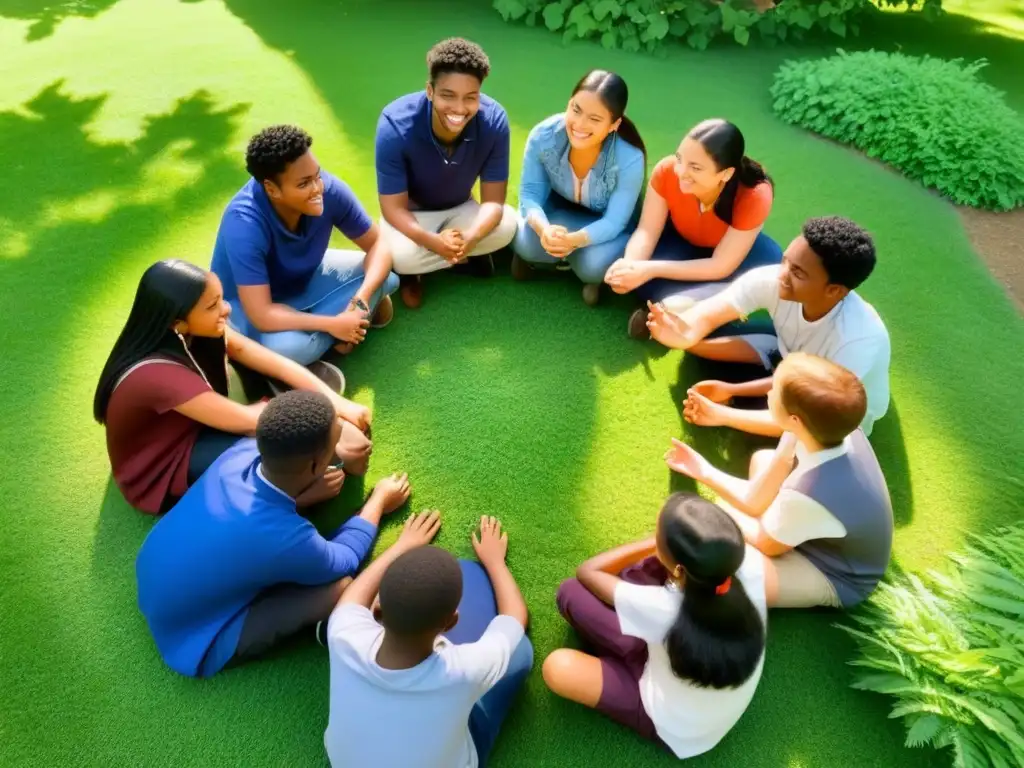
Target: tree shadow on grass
[(46, 15)]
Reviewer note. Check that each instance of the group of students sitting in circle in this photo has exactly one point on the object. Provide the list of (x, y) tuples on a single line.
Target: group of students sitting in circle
[(673, 627)]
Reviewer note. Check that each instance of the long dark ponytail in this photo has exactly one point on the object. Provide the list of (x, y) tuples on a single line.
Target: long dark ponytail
[(724, 142), (718, 636), (166, 294), (614, 94)]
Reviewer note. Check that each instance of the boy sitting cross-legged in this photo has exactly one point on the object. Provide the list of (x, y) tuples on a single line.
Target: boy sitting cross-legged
[(440, 657), (825, 526)]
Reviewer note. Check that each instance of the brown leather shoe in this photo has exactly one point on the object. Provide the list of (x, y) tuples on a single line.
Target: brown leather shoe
[(638, 325), (384, 315), (412, 293)]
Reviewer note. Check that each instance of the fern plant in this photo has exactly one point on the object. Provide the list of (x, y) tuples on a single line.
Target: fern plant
[(933, 120), (950, 649)]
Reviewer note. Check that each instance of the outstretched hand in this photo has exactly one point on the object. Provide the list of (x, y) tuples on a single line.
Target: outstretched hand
[(392, 492), (685, 460), (491, 545), (670, 329), (419, 530), (700, 411)]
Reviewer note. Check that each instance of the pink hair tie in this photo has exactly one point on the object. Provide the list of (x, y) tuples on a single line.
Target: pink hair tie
[(722, 588)]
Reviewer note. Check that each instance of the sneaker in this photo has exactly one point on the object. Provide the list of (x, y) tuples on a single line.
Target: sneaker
[(592, 294), (411, 291), (384, 313), (328, 373), (521, 269), (638, 325)]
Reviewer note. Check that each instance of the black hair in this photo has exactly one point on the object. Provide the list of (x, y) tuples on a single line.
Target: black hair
[(845, 249), (724, 142), (420, 591), (457, 55), (275, 148), (718, 636), (614, 94), (294, 429), (167, 292)]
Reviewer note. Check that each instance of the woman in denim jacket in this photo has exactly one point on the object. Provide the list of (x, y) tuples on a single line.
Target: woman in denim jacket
[(583, 172)]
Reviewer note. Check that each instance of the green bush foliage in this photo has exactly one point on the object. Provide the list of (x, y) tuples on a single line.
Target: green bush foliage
[(950, 649), (635, 24), (933, 120)]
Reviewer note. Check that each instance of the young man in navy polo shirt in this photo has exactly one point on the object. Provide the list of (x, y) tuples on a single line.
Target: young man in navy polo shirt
[(431, 148), (287, 289)]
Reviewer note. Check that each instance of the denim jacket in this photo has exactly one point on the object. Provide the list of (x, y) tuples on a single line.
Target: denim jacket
[(614, 184)]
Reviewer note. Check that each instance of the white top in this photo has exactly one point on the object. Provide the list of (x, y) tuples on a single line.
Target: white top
[(794, 518), (689, 719), (419, 716), (581, 188), (851, 335)]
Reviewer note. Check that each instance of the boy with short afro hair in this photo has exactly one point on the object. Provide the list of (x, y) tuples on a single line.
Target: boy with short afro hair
[(431, 147), (814, 307), (825, 526), (287, 289), (443, 653)]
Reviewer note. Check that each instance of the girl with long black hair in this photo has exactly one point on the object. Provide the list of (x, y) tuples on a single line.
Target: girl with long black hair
[(701, 224), (163, 393), (677, 627), (583, 172)]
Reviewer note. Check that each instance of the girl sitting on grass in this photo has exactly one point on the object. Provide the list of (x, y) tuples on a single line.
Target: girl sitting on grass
[(676, 629), (163, 393)]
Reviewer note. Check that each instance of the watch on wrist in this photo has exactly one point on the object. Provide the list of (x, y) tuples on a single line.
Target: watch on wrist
[(358, 303)]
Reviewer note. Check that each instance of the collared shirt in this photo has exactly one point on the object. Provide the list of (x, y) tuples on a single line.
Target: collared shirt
[(231, 536), (411, 159)]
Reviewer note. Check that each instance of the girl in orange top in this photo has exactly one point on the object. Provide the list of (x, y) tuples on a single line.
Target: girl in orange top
[(717, 199)]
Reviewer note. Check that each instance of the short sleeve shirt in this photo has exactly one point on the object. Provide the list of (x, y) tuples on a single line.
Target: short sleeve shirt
[(149, 443), (254, 247), (705, 229), (410, 159), (432, 700)]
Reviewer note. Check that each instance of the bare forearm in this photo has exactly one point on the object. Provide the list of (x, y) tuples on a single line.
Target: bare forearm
[(696, 270), (364, 589), (486, 219), (757, 388), (405, 222), (615, 560), (372, 511), (640, 246), (749, 526), (752, 422), (376, 267), (506, 593)]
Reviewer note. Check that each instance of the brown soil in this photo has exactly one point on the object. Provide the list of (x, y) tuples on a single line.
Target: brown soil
[(998, 238)]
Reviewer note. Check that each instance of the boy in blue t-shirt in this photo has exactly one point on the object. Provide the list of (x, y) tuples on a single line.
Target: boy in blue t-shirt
[(431, 148), (287, 289), (233, 567)]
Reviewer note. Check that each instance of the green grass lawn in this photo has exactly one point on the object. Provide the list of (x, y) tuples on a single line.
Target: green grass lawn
[(122, 128)]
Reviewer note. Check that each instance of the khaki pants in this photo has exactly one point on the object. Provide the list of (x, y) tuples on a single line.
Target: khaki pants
[(792, 581), (411, 259)]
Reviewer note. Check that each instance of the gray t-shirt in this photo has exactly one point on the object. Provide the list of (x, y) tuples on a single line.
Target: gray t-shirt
[(419, 716)]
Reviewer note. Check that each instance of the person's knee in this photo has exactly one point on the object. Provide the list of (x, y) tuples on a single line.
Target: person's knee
[(558, 669), (391, 284), (298, 346), (593, 262), (526, 244), (503, 234), (404, 252), (568, 593), (522, 658)]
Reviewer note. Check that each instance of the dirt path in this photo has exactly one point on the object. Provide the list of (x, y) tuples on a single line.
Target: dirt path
[(998, 238)]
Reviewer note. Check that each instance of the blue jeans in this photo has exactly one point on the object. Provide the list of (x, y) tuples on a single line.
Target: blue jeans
[(476, 610), (672, 247), (328, 292), (590, 262)]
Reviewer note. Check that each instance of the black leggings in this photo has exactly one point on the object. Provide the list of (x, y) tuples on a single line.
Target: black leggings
[(210, 444)]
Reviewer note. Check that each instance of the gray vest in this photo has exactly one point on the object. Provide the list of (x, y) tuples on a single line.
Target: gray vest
[(851, 487)]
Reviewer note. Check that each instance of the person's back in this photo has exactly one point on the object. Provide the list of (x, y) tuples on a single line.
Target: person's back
[(442, 664)]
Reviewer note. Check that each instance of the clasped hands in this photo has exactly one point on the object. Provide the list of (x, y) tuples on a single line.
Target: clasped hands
[(453, 245)]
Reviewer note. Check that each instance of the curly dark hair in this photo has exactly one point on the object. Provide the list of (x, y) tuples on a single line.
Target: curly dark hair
[(457, 55), (294, 428), (275, 148), (846, 250), (420, 591)]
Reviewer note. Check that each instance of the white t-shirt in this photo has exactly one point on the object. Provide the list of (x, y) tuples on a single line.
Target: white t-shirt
[(851, 335), (794, 518), (691, 720), (419, 716)]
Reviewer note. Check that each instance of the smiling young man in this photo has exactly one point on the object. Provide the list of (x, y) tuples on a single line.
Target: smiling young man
[(288, 290), (431, 148), (814, 308)]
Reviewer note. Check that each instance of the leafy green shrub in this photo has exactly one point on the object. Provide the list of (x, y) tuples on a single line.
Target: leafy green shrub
[(951, 650), (933, 120), (635, 24)]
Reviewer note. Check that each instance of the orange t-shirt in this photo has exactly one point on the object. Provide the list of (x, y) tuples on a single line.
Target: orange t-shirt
[(706, 230)]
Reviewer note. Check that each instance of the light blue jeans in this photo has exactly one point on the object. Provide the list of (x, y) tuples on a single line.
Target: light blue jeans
[(590, 262), (328, 293)]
